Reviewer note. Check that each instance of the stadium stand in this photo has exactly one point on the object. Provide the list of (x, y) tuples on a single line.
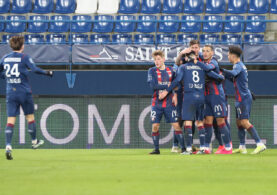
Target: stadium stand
[(231, 39), (258, 6), (13, 26), (169, 27), (102, 25), (234, 27), (273, 7), (144, 39), (4, 6), (145, 25), (215, 6), (6, 37), (257, 26), (237, 6), (151, 7), (22, 6), (190, 26), (100, 38), (193, 6), (65, 6), (61, 25), (37, 26), (254, 38), (43, 6), (166, 39), (2, 24), (108, 6), (172, 7), (86, 7), (125, 26), (79, 38), (129, 6), (122, 38), (186, 38), (82, 26), (34, 38), (209, 38), (212, 26), (56, 38)]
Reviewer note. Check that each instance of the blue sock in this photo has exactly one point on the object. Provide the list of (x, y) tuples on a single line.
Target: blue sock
[(175, 140), (32, 130), (218, 135), (156, 139), (225, 134), (253, 132), (9, 133), (229, 128), (188, 131), (180, 137), (201, 131), (241, 134), (208, 134)]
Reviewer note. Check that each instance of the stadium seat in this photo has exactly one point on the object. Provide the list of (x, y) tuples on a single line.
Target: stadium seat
[(215, 6), (144, 39), (102, 25), (6, 37), (169, 27), (36, 26), (56, 38), (81, 27), (129, 6), (34, 39), (212, 26), (86, 7), (254, 38), (100, 38), (59, 26), (190, 26), (4, 6), (108, 6), (79, 38), (273, 7), (147, 26), (15, 27), (151, 6), (125, 26), (209, 38), (237, 6), (258, 6), (2, 24), (193, 6), (166, 39), (122, 38), (255, 27), (43, 6), (231, 39), (172, 7), (65, 6), (186, 38), (21, 6), (234, 27)]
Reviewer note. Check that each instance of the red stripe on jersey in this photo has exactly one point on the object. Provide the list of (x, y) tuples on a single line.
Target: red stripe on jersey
[(159, 76), (237, 91), (215, 89), (154, 99)]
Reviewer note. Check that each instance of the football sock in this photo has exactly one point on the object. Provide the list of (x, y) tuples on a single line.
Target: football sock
[(241, 134), (9, 133), (208, 134), (225, 135), (175, 140), (188, 132), (156, 138), (180, 137), (218, 135), (229, 128), (201, 131), (252, 130), (32, 130)]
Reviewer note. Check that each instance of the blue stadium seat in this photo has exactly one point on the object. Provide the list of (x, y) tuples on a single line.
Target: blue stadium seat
[(2, 24), (65, 6), (43, 6), (254, 38), (34, 39), (212, 26), (255, 27), (146, 26), (21, 6), (61, 25), (172, 6), (4, 6), (273, 7), (169, 27), (15, 27), (100, 38), (81, 27), (6, 37), (231, 39), (234, 27), (144, 39), (237, 6), (193, 6), (125, 26), (129, 6), (151, 6), (56, 38), (209, 38), (122, 38), (166, 39), (79, 38), (186, 38), (215, 6), (36, 26), (103, 25), (190, 26), (258, 6)]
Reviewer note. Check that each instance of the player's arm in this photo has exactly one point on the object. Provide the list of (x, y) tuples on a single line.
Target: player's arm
[(2, 73), (31, 65), (177, 80), (153, 82), (179, 59), (206, 67), (216, 76), (232, 73)]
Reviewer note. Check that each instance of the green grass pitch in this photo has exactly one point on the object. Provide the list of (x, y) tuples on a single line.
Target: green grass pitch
[(133, 171)]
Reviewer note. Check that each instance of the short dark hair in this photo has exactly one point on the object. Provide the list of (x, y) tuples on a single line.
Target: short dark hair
[(16, 42), (235, 50), (210, 46), (193, 42)]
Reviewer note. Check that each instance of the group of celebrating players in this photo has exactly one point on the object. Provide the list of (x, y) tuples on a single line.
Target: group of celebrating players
[(191, 93)]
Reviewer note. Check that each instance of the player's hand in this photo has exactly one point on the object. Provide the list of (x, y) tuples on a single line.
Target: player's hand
[(49, 73), (163, 95), (195, 60), (175, 100), (184, 51)]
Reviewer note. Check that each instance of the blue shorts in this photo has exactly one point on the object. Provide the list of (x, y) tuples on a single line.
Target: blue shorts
[(169, 112), (193, 109), (243, 108), (216, 106), (180, 103), (15, 100)]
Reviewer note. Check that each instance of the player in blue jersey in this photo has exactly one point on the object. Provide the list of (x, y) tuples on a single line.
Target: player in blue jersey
[(192, 76), (243, 100), (215, 106), (159, 78), (15, 67)]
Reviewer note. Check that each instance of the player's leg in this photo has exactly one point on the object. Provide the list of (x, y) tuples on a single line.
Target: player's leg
[(208, 130), (225, 136), (156, 116), (201, 133), (189, 138), (241, 135), (218, 136)]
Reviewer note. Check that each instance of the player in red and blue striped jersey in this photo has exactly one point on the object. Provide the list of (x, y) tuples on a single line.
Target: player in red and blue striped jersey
[(243, 100), (159, 78)]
